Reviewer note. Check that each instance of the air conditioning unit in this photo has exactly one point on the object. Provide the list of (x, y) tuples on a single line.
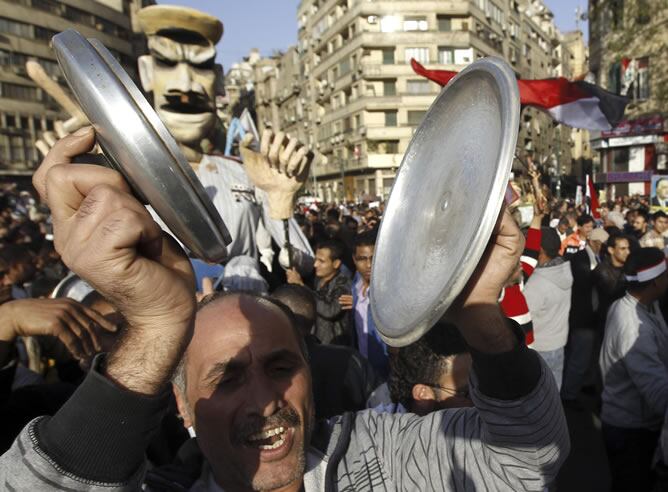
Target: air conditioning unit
[(362, 130), (372, 19)]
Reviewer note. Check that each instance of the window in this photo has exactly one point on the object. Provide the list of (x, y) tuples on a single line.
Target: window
[(417, 86), (415, 24), (389, 88), (446, 56), (444, 23), (44, 34), (10, 121), (388, 56), (381, 147), (415, 117), (15, 28), (635, 79), (21, 92), (390, 118), (463, 56), (420, 54)]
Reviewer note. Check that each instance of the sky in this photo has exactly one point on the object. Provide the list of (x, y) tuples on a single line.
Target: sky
[(271, 25)]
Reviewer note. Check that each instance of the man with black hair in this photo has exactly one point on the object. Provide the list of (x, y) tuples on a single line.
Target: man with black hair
[(655, 238), (20, 270), (578, 240), (342, 378), (548, 294), (634, 365), (582, 318), (367, 339), (332, 323), (432, 373), (640, 224), (608, 276)]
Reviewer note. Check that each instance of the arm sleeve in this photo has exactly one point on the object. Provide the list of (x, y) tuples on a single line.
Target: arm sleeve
[(514, 444), (529, 258), (327, 305), (97, 439), (647, 371)]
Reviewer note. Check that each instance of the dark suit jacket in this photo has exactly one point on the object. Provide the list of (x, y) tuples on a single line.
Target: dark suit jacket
[(582, 315)]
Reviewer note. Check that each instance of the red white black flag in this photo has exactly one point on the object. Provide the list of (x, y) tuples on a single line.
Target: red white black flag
[(578, 104)]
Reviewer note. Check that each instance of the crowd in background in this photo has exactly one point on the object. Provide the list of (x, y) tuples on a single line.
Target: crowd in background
[(575, 272)]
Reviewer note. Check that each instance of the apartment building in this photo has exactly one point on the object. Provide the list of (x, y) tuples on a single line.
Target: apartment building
[(361, 101), (628, 45), (26, 27)]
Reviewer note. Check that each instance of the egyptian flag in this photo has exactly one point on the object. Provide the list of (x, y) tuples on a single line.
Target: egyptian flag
[(578, 104), (592, 199)]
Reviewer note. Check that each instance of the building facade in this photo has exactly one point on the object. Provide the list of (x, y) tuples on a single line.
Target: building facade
[(26, 28), (361, 101), (628, 45)]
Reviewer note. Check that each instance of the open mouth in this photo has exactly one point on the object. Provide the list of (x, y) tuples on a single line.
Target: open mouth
[(268, 439)]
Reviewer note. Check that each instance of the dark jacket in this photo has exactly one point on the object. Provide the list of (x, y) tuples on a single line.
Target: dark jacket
[(333, 324), (610, 283), (343, 380), (583, 295)]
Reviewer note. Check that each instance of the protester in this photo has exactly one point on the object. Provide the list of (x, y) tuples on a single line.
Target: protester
[(343, 380), (608, 276), (367, 339), (548, 294), (243, 384), (432, 373), (640, 224), (578, 239), (656, 238), (634, 364), (579, 354), (333, 323)]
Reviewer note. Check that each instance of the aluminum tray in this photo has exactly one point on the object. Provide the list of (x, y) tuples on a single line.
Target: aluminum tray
[(445, 201), (137, 144)]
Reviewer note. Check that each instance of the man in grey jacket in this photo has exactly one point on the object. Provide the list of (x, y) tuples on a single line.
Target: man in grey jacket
[(243, 384), (548, 294), (634, 365)]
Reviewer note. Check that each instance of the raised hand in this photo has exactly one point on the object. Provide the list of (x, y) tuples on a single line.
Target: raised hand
[(106, 236), (476, 312), (78, 327), (280, 169)]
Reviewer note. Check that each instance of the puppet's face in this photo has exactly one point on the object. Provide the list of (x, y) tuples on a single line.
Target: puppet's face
[(182, 74)]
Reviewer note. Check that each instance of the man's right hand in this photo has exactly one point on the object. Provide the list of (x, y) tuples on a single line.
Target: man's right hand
[(106, 236), (346, 302)]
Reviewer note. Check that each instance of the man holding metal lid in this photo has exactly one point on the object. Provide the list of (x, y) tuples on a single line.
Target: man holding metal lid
[(242, 381)]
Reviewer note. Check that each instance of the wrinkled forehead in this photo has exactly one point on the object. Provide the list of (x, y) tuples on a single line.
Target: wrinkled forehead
[(177, 50), (237, 324)]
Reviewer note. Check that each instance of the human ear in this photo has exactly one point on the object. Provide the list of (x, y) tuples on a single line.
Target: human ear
[(182, 405), (422, 392)]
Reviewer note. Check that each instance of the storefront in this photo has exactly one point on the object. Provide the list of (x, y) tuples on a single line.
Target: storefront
[(630, 154)]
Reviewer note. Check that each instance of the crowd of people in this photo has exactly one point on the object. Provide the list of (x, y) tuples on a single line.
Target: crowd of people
[(584, 305)]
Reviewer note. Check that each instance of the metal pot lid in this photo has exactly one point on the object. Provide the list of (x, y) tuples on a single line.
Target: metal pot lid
[(445, 201), (139, 146)]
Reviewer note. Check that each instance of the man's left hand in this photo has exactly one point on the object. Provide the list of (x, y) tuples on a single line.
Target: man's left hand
[(476, 312)]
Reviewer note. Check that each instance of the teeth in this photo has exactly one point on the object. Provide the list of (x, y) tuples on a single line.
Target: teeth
[(267, 434), (276, 445)]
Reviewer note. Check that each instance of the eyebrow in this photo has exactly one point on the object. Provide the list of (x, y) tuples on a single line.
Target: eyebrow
[(232, 365)]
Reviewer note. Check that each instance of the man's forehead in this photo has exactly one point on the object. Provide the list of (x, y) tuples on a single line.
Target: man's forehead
[(176, 50), (238, 328)]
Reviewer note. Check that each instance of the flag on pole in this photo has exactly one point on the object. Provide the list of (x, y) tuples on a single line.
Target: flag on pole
[(592, 199), (578, 104)]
